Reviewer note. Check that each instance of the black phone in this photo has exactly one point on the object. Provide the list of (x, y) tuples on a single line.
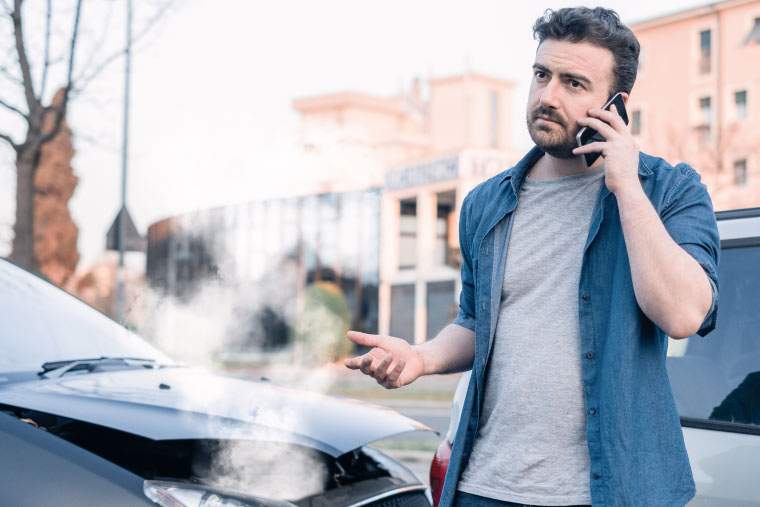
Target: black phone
[(587, 135)]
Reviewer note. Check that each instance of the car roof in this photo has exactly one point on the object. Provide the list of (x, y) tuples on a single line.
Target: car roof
[(738, 226)]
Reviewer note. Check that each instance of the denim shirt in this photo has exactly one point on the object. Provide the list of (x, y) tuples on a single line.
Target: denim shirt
[(636, 447)]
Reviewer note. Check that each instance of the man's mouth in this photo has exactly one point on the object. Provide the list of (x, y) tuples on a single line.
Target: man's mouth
[(545, 118)]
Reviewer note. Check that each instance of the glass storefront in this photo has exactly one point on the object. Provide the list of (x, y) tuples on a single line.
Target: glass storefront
[(269, 252), (402, 312)]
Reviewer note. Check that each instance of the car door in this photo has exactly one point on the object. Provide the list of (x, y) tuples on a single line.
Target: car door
[(716, 379)]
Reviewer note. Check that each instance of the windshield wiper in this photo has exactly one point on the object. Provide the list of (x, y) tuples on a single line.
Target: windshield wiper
[(59, 368)]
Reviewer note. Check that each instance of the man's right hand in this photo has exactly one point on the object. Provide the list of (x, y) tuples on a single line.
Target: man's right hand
[(392, 362)]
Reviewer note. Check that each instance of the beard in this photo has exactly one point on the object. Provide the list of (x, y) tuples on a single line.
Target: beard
[(556, 139)]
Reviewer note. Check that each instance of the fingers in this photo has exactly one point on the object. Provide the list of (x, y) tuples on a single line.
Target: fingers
[(376, 364), (380, 372), (590, 148), (368, 340), (355, 363), (611, 117), (392, 378), (366, 364), (600, 126)]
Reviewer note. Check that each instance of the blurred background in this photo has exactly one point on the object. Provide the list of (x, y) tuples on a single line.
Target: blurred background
[(242, 182)]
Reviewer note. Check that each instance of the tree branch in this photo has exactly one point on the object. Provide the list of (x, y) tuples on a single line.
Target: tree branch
[(23, 60), (99, 43), (60, 111), (46, 58), (10, 76), (8, 139), (82, 81), (13, 108)]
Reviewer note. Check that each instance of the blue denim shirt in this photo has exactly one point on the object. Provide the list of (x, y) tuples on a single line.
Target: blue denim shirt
[(636, 447)]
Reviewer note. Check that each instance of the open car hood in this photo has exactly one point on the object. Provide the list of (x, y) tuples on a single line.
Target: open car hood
[(186, 403)]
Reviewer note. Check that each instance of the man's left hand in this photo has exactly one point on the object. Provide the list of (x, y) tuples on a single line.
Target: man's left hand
[(620, 150)]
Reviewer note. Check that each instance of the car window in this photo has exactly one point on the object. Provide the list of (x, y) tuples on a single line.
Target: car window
[(717, 377), (43, 323)]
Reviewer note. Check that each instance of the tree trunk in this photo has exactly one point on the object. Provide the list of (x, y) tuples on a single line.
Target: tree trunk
[(22, 252)]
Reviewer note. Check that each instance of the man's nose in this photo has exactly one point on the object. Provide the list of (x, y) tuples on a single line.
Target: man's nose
[(550, 95)]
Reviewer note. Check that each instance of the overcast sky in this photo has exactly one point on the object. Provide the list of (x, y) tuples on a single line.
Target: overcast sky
[(211, 118)]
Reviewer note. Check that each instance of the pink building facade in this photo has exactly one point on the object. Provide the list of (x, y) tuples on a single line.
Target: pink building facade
[(697, 96), (425, 149)]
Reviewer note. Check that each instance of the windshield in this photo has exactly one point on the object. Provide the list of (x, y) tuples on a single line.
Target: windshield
[(42, 323), (717, 377)]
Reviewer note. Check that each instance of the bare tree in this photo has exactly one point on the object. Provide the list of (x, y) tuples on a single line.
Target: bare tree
[(35, 115), (711, 152), (41, 121)]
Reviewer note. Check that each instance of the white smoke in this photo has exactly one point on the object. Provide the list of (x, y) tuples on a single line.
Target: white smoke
[(192, 332), (197, 331), (207, 328)]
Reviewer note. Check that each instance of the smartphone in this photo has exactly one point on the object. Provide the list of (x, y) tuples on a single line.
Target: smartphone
[(587, 135)]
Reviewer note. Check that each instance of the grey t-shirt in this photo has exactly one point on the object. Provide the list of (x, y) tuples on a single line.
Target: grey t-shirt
[(531, 442)]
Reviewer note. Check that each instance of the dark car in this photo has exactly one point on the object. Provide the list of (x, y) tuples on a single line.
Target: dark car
[(92, 414), (715, 380)]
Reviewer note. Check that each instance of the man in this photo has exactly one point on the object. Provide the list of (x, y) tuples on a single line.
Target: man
[(572, 279)]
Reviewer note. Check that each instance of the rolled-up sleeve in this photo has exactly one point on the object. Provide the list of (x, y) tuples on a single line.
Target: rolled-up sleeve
[(689, 218), (466, 314)]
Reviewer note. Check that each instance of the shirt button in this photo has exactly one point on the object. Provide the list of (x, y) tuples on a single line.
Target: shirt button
[(590, 355), (585, 296), (596, 477), (592, 411)]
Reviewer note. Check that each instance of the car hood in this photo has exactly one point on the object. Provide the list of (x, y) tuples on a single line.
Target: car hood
[(185, 403)]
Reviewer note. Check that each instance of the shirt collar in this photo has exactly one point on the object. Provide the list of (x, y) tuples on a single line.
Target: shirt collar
[(518, 172)]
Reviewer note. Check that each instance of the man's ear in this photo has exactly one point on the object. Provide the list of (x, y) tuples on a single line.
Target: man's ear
[(625, 97)]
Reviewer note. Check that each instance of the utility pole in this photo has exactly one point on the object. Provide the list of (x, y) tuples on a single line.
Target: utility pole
[(120, 292)]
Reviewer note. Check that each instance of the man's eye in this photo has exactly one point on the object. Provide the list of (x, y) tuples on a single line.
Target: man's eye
[(540, 74), (575, 84)]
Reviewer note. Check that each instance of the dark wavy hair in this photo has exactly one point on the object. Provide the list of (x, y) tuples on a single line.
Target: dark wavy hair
[(598, 26)]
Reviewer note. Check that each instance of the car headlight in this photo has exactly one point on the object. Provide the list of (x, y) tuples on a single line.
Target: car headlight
[(173, 494)]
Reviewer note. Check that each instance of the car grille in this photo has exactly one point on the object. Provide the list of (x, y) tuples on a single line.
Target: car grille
[(411, 499)]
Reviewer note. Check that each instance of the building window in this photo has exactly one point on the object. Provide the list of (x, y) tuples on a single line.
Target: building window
[(705, 124), (705, 51), (636, 122), (402, 312), (705, 108), (754, 34), (444, 226), (740, 172), (740, 99), (407, 258), (494, 108), (441, 306)]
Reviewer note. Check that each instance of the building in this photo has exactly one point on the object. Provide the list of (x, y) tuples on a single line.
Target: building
[(429, 148), (381, 224), (266, 252), (411, 158), (419, 257), (697, 95)]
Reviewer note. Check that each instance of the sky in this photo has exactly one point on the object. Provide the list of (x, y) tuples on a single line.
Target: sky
[(211, 121)]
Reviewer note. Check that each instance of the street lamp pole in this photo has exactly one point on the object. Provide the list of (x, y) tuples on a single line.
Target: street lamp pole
[(120, 291)]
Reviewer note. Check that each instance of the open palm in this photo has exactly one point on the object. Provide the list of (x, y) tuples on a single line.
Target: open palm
[(392, 361)]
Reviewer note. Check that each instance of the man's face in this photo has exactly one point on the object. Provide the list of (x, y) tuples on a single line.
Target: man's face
[(569, 78)]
